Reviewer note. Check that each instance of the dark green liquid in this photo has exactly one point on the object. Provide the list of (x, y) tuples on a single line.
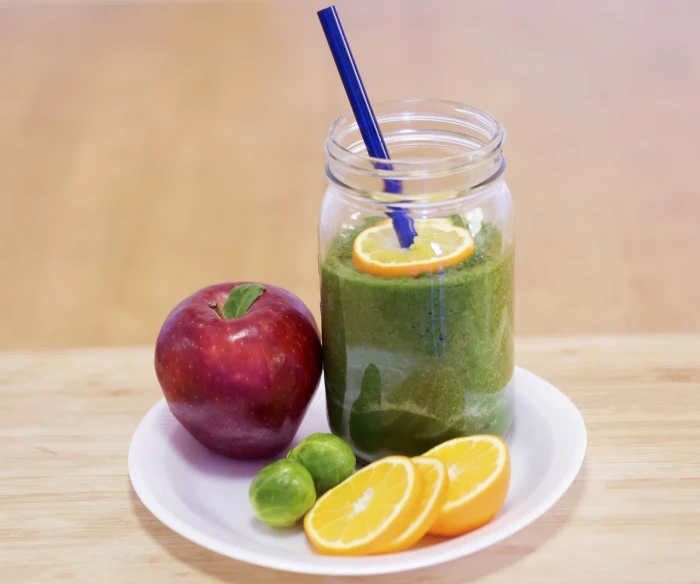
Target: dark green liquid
[(412, 362)]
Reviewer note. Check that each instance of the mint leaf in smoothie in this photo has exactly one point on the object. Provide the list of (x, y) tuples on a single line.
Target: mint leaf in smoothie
[(365, 417), (487, 241), (487, 246), (458, 221)]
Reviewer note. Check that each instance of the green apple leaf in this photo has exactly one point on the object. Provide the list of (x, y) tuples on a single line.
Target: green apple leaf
[(241, 299)]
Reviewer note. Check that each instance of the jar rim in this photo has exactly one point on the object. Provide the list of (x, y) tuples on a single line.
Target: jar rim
[(418, 109)]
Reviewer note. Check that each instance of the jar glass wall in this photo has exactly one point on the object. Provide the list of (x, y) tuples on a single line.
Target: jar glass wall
[(413, 360)]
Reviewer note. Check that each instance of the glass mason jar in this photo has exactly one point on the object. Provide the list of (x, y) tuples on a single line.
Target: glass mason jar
[(413, 360)]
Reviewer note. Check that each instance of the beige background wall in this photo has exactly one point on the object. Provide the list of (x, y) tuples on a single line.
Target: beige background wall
[(147, 150)]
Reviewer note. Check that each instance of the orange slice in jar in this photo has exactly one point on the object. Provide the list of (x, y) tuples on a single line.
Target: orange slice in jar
[(438, 245)]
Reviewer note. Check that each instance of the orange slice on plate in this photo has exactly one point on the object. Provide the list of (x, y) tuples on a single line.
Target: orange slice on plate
[(367, 510), (433, 497), (438, 245), (479, 471)]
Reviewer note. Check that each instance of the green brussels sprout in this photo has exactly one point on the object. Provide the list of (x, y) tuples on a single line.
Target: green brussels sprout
[(282, 493), (328, 458)]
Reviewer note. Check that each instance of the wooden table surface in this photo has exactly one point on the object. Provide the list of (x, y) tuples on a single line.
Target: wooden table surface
[(148, 149), (632, 516)]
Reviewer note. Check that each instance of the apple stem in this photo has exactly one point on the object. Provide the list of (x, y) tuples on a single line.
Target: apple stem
[(216, 308)]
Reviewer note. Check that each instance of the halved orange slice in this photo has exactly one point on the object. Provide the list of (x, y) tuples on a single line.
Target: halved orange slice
[(479, 472), (435, 485), (439, 244), (367, 510)]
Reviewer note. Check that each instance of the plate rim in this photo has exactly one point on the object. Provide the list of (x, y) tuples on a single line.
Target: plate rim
[(196, 536)]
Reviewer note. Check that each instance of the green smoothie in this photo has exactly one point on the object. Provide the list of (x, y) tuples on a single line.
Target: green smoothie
[(412, 362)]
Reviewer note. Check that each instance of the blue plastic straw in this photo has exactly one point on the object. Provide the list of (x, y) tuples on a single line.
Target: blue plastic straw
[(364, 114)]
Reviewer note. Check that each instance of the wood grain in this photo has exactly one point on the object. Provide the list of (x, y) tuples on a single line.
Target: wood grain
[(69, 513), (150, 149)]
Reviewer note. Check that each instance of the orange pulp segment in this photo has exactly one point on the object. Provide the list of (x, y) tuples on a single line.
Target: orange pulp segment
[(367, 510), (435, 485), (479, 476)]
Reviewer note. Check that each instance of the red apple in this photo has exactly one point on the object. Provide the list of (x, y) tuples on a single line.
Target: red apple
[(240, 386)]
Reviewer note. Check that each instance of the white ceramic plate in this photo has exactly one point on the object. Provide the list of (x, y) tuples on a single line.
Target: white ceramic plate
[(204, 497)]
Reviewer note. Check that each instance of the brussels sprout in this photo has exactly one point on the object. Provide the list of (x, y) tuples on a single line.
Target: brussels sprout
[(282, 493), (328, 458)]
